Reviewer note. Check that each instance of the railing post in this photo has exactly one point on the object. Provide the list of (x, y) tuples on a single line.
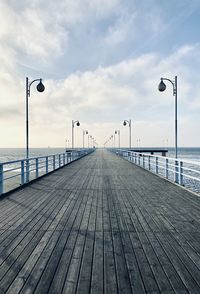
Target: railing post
[(47, 167), (131, 156), (1, 178), (166, 168), (181, 173), (156, 165), (27, 170), (176, 172), (36, 168), (59, 160), (54, 162), (139, 159), (143, 160), (149, 162), (63, 158), (22, 172)]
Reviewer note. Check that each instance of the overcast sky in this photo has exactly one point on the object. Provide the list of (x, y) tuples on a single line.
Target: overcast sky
[(101, 61)]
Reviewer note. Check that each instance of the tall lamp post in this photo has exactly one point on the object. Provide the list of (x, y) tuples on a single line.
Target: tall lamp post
[(84, 133), (129, 124), (73, 124), (67, 144), (161, 88), (114, 140), (40, 88), (118, 132)]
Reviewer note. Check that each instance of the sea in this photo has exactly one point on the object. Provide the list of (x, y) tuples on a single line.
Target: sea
[(10, 154)]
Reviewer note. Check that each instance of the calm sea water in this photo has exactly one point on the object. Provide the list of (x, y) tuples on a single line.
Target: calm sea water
[(8, 154)]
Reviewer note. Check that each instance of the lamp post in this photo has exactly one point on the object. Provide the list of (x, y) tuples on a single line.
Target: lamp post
[(118, 132), (84, 133), (73, 124), (162, 88), (114, 140), (67, 144), (129, 124), (40, 88)]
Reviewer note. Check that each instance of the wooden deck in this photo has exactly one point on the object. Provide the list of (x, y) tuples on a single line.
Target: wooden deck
[(100, 225)]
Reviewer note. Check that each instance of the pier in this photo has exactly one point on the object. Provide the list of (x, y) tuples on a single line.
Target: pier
[(150, 150), (100, 225)]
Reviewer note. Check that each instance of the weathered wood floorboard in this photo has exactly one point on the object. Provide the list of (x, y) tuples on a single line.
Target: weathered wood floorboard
[(100, 225)]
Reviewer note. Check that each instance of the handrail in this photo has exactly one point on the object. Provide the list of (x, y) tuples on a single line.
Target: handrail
[(183, 172), (25, 170)]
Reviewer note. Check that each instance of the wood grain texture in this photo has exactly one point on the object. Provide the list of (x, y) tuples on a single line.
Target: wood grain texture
[(102, 226)]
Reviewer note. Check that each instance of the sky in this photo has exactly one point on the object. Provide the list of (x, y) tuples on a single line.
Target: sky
[(101, 62)]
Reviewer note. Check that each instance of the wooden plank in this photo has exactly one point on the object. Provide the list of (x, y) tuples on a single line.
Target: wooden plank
[(100, 225), (185, 275), (110, 278), (64, 262), (72, 277), (57, 252)]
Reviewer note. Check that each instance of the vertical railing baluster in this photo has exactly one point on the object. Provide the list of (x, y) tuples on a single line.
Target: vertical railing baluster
[(27, 170), (166, 168), (47, 166), (22, 172), (156, 165), (176, 171), (54, 162), (36, 168), (63, 158), (59, 160), (149, 162), (181, 173), (143, 161), (1, 178)]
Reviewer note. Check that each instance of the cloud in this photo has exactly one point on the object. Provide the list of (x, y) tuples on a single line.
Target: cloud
[(86, 53), (130, 85)]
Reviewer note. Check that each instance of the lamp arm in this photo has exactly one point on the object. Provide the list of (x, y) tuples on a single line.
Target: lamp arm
[(29, 85), (173, 84)]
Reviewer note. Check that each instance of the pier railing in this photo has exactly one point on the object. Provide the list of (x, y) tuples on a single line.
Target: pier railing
[(183, 172), (19, 172)]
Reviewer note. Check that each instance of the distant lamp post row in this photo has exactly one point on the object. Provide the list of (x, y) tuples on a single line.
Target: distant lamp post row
[(67, 143), (161, 88), (84, 133), (40, 88), (77, 123), (117, 132), (129, 124)]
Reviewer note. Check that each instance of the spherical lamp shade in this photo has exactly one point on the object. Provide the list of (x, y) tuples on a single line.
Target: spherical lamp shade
[(40, 87), (161, 86), (78, 124)]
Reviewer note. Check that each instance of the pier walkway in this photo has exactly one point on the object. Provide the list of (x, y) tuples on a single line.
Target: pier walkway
[(100, 225)]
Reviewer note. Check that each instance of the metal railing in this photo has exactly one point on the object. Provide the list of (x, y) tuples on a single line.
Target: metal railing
[(19, 172), (183, 172)]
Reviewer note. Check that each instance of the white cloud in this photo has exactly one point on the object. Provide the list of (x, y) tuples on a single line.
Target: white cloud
[(38, 33)]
